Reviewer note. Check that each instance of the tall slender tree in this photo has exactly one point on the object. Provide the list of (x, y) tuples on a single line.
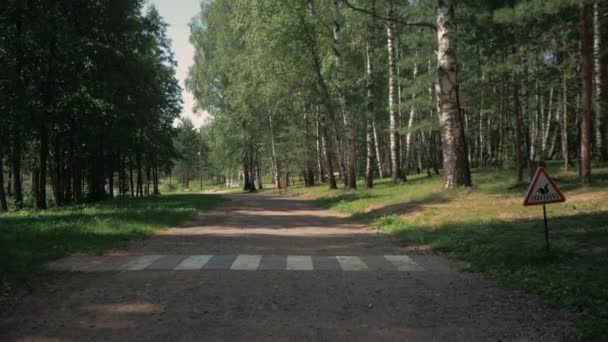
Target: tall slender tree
[(455, 162)]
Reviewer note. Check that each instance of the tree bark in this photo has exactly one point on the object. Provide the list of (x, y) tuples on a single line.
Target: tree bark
[(140, 181), (3, 203), (369, 136), (131, 177), (600, 153), (547, 126), (258, 169), (392, 96), (523, 126), (587, 94), (347, 116), (9, 182), (325, 102), (410, 124), (275, 160), (456, 167), (16, 164), (319, 146), (43, 154), (564, 121), (377, 147)]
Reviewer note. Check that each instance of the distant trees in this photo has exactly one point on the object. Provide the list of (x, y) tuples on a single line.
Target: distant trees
[(332, 89), (88, 100)]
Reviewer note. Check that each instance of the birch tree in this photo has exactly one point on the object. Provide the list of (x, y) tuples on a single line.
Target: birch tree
[(587, 94), (597, 99), (455, 163)]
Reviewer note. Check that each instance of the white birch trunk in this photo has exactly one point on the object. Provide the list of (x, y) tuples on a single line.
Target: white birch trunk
[(599, 115), (547, 125), (410, 122), (275, 162), (369, 136), (455, 165), (378, 155), (392, 96)]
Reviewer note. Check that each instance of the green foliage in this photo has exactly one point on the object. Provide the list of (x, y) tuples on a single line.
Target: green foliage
[(87, 88)]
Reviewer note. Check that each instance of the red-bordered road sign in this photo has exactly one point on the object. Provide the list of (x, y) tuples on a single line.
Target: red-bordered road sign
[(542, 190)]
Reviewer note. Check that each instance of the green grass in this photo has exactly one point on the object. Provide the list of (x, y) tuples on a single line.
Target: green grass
[(491, 230), (30, 238)]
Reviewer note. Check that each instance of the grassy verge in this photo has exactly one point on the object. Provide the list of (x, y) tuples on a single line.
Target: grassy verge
[(493, 231), (30, 238)]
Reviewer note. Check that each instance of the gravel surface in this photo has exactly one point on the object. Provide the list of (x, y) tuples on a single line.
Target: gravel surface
[(435, 304)]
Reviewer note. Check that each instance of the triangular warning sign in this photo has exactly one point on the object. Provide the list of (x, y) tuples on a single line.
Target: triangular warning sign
[(542, 190)]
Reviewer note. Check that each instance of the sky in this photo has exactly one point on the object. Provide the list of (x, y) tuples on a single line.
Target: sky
[(178, 13)]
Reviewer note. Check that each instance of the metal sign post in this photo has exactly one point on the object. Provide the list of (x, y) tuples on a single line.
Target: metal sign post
[(546, 228), (543, 190)]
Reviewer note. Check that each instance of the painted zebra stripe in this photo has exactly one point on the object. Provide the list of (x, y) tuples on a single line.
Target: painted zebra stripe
[(193, 262), (402, 262), (246, 262), (351, 263), (299, 263), (140, 263)]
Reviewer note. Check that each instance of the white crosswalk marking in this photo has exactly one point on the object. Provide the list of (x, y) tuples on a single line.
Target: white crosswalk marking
[(402, 262), (246, 262), (193, 262), (140, 263), (299, 263), (242, 262), (351, 263)]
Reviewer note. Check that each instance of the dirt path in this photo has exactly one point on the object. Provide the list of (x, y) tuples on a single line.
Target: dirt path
[(263, 268)]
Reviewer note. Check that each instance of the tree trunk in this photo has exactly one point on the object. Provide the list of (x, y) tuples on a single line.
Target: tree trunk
[(16, 164), (148, 177), (140, 181), (131, 177), (325, 101), (392, 96), (369, 136), (9, 182), (59, 174), (410, 124), (377, 147), (258, 169), (600, 153), (319, 142), (327, 151), (20, 113), (246, 178), (564, 121), (547, 126), (523, 129), (3, 203), (455, 164), (111, 183), (347, 116), (77, 180), (43, 154), (155, 177), (537, 122), (251, 170), (587, 95), (275, 160)]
